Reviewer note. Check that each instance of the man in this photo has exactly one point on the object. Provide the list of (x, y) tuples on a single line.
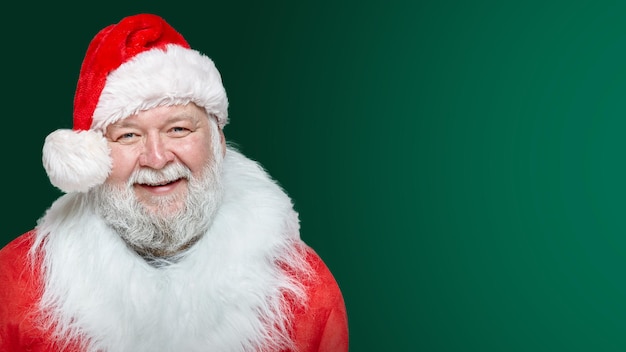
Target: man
[(167, 239)]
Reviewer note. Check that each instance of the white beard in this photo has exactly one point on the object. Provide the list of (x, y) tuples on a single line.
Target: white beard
[(160, 237), (227, 293)]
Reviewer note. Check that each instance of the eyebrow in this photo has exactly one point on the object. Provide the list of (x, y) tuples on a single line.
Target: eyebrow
[(182, 116)]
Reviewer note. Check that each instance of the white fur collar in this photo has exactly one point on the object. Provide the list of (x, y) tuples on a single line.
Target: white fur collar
[(220, 297)]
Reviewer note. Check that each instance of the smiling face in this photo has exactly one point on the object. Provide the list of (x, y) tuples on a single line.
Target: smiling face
[(155, 140), (165, 184)]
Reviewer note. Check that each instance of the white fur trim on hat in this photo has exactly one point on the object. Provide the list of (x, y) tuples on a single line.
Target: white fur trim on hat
[(76, 160), (158, 77)]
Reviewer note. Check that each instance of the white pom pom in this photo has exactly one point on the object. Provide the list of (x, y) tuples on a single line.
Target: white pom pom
[(76, 160)]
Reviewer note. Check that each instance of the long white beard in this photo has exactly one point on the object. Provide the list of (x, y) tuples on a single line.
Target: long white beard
[(159, 235)]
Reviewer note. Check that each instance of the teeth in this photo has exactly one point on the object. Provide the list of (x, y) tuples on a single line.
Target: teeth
[(158, 184)]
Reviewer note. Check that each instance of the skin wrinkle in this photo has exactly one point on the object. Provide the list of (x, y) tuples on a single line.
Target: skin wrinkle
[(162, 226)]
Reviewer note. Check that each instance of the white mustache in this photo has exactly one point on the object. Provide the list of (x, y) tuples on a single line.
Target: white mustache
[(168, 174)]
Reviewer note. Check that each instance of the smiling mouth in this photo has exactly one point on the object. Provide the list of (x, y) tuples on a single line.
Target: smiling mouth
[(159, 184)]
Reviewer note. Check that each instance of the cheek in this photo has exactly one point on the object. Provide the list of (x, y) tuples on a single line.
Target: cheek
[(123, 166), (195, 155)]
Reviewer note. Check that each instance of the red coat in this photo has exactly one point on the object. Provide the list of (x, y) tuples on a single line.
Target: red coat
[(321, 327)]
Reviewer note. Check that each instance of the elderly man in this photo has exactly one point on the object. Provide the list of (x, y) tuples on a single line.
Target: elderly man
[(166, 239)]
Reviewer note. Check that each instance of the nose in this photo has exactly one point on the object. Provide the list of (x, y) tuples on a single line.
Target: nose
[(155, 152)]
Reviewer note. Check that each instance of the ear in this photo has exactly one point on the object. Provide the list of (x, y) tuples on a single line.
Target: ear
[(222, 140)]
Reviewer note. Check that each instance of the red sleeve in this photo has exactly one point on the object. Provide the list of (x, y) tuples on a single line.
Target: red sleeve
[(19, 291), (323, 325)]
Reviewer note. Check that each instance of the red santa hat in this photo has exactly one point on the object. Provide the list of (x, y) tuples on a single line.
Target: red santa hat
[(134, 65)]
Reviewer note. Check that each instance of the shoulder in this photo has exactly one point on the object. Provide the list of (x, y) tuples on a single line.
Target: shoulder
[(14, 258), (20, 287), (322, 288), (19, 280), (323, 324)]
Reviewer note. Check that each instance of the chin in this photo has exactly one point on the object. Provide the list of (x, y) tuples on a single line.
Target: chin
[(165, 209), (164, 205)]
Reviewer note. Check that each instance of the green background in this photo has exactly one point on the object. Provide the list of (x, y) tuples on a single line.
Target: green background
[(459, 165)]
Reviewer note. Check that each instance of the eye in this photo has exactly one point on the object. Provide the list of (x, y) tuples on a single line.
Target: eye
[(125, 137), (179, 131)]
